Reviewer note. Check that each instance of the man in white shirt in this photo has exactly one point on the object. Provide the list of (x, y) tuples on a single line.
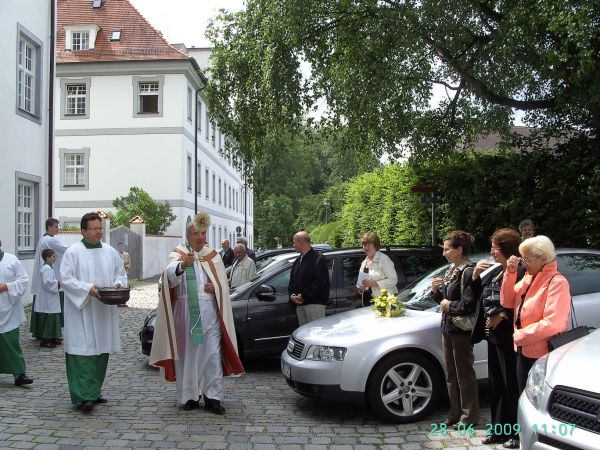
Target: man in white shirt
[(91, 327), (13, 284), (243, 268)]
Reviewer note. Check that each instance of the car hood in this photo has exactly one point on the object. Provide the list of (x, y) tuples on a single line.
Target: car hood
[(576, 364), (362, 325)]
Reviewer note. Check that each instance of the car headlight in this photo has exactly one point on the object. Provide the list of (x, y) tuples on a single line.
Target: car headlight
[(534, 388), (326, 353)]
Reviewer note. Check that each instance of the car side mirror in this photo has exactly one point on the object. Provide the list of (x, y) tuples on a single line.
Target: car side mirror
[(266, 292)]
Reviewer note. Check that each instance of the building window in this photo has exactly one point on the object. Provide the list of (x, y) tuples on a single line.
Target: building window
[(189, 103), (206, 183), (29, 74), (213, 134), (214, 190), (199, 113), (189, 173), (206, 124), (115, 35), (74, 169), (220, 187), (80, 40), (229, 197), (199, 179), (225, 194), (148, 96), (25, 215), (75, 98), (81, 37)]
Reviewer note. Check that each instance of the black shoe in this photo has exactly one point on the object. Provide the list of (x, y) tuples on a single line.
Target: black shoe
[(191, 404), (58, 341), (493, 439), (214, 406), (511, 443), (23, 380), (87, 406), (47, 343), (100, 400), (450, 422)]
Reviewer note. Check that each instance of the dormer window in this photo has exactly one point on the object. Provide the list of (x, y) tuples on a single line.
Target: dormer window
[(81, 40), (115, 35), (81, 37)]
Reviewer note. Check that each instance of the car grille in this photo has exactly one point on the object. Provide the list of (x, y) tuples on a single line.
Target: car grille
[(295, 348), (578, 407), (556, 444)]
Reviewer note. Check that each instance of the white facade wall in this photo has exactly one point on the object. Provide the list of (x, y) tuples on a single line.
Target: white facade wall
[(148, 152), (23, 137)]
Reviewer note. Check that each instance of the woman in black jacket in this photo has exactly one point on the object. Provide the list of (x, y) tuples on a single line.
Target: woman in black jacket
[(495, 324), (456, 297)]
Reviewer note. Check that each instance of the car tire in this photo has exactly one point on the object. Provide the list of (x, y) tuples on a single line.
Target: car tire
[(404, 387)]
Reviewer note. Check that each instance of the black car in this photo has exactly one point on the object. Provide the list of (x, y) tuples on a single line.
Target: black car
[(265, 318)]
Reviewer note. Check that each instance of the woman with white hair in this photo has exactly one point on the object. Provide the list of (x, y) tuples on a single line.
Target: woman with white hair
[(541, 301)]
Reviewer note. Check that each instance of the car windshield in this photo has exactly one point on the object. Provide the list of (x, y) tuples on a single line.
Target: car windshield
[(418, 294)]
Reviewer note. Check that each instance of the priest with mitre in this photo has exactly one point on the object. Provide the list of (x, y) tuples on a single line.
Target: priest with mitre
[(194, 336), (91, 330)]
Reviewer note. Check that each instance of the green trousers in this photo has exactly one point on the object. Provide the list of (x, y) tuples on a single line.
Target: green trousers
[(85, 375), (11, 355)]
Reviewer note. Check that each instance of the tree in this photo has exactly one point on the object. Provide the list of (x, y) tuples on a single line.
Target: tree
[(158, 216), (375, 64)]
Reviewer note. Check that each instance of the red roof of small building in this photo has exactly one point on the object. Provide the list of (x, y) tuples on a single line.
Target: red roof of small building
[(139, 40)]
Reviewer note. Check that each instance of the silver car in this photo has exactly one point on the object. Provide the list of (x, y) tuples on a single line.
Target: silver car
[(396, 365), (560, 408)]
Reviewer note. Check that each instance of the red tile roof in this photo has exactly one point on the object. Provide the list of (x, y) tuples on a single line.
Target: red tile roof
[(139, 40)]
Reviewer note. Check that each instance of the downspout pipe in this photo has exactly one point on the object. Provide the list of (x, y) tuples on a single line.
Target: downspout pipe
[(51, 109)]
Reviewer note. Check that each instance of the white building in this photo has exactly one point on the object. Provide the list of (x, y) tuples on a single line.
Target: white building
[(26, 54), (129, 108)]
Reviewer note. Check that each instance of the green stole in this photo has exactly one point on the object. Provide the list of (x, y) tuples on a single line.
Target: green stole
[(88, 245), (193, 304)]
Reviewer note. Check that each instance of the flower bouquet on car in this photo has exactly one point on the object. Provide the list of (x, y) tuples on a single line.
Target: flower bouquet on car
[(387, 305)]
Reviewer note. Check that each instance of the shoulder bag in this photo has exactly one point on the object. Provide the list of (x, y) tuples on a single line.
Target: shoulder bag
[(467, 322), (565, 337)]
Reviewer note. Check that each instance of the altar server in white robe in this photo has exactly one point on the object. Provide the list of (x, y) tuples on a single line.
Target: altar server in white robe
[(48, 240), (194, 340), (13, 284), (91, 330)]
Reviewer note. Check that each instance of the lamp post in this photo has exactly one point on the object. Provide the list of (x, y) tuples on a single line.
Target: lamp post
[(326, 205)]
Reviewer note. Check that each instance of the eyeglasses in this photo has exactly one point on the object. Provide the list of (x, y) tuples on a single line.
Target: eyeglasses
[(94, 229), (528, 260)]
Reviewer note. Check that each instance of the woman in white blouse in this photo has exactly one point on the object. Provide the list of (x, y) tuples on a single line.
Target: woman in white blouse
[(379, 267)]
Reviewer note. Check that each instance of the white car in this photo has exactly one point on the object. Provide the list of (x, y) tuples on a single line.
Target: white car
[(396, 365), (560, 408)]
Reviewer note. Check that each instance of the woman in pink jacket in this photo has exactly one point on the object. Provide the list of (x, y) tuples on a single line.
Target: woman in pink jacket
[(541, 302)]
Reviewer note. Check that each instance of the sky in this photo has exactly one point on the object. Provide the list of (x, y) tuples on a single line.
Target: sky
[(184, 21)]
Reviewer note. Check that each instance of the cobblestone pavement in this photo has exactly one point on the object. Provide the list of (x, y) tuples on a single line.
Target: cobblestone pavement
[(262, 412)]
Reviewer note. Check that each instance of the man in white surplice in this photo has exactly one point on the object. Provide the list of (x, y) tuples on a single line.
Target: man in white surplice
[(194, 340), (91, 327)]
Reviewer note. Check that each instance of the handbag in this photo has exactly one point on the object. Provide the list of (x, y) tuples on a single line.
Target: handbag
[(465, 323), (576, 332)]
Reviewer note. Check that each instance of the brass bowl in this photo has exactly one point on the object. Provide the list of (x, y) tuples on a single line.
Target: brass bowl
[(113, 295)]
